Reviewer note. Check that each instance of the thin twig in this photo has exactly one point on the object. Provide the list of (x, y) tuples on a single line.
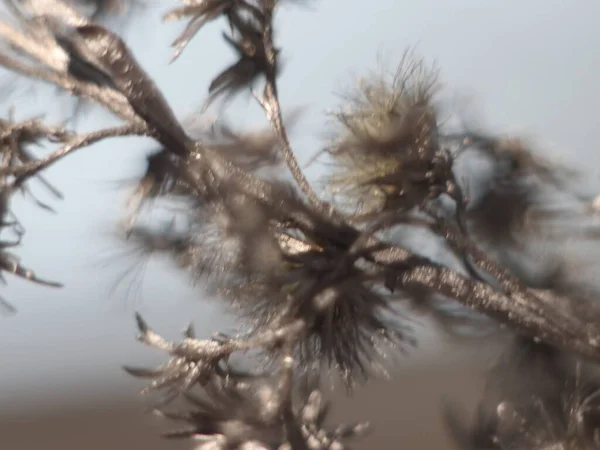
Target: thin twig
[(271, 106), (25, 171)]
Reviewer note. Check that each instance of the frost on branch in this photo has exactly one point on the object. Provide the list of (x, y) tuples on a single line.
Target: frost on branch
[(317, 285), (235, 416), (275, 272), (240, 410), (16, 140)]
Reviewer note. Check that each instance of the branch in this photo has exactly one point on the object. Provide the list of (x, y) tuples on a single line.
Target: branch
[(543, 315), (110, 99), (131, 94), (26, 171), (271, 105), (262, 405)]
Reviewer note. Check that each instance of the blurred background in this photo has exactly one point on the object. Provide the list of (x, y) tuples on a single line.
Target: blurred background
[(526, 67)]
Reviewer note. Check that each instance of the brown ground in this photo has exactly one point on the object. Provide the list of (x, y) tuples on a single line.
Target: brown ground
[(404, 412)]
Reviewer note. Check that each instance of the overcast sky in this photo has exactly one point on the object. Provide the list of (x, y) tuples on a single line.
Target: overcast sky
[(528, 66)]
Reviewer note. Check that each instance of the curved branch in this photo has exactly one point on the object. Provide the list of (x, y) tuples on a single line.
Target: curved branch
[(272, 108), (26, 171)]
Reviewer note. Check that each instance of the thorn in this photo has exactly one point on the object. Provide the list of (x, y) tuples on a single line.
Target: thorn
[(141, 324), (189, 331)]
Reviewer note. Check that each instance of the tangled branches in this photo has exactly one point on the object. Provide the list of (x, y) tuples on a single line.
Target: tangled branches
[(17, 158), (319, 285)]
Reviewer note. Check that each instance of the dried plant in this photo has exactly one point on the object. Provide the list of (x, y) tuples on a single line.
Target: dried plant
[(536, 398), (322, 287)]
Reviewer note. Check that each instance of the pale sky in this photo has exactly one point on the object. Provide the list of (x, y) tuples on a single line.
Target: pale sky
[(529, 66)]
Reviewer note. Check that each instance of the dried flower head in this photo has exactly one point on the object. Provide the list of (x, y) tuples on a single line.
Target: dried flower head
[(537, 398), (275, 272), (388, 152), (500, 217), (239, 409), (525, 193)]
